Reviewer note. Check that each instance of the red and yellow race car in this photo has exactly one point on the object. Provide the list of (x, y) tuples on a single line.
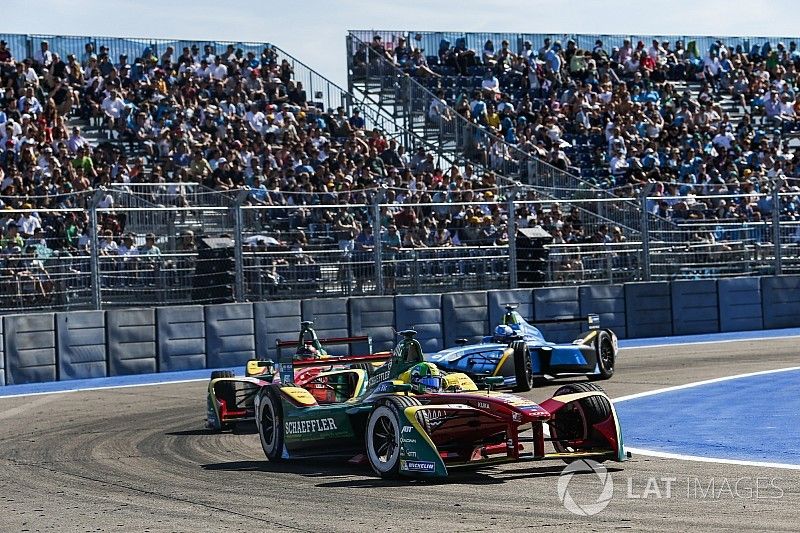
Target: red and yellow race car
[(230, 397)]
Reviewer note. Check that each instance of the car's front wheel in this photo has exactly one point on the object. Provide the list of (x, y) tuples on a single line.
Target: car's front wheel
[(269, 419), (383, 435)]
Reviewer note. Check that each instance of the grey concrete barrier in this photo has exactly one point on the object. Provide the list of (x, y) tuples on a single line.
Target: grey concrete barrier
[(694, 307), (81, 345), (274, 321), (181, 338), (464, 315), (373, 316), (648, 309), (2, 356), (230, 334), (30, 348), (780, 301), (423, 313), (608, 302), (557, 302), (740, 304), (496, 300), (330, 320), (131, 337)]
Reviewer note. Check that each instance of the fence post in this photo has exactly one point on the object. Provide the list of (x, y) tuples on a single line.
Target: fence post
[(238, 243), (645, 232), (512, 237), (378, 235), (776, 226), (94, 255)]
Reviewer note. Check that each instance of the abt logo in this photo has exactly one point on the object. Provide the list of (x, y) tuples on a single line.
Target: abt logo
[(584, 502)]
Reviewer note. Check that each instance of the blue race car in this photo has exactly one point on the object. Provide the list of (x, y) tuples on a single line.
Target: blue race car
[(519, 353)]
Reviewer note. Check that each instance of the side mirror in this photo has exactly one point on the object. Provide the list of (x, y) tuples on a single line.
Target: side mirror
[(461, 341), (403, 387), (264, 364)]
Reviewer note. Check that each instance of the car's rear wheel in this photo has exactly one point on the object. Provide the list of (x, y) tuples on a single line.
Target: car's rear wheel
[(270, 424), (605, 356), (523, 366), (571, 426), (383, 434)]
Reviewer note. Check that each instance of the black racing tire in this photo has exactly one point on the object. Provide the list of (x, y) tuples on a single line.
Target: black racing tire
[(606, 358), (523, 366), (225, 390), (269, 420), (574, 421), (382, 434)]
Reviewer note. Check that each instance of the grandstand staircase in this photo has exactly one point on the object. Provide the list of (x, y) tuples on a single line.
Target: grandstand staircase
[(397, 95)]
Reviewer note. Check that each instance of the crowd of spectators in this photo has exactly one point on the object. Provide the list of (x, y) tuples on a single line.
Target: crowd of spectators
[(225, 120), (623, 114)]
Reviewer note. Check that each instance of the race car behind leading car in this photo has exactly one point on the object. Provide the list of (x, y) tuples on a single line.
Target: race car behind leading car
[(519, 353), (230, 397)]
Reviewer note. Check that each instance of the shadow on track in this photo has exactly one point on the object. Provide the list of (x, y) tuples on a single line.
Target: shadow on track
[(353, 473)]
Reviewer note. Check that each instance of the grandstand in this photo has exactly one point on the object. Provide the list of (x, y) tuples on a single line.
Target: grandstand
[(125, 163)]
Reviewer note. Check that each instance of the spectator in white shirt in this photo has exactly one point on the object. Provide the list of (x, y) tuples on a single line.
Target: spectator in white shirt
[(44, 57), (113, 106)]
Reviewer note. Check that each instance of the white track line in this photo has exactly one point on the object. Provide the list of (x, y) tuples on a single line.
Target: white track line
[(700, 459), (700, 383), (689, 343), (109, 387), (684, 457)]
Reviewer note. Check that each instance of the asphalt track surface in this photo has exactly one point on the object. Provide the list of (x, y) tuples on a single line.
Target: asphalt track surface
[(138, 459)]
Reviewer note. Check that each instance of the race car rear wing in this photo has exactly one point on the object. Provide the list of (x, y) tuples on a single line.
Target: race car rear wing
[(365, 341), (592, 319), (286, 369)]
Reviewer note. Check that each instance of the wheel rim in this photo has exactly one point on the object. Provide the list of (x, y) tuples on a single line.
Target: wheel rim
[(268, 423), (383, 439), (607, 355)]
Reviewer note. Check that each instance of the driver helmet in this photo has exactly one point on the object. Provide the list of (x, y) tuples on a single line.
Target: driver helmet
[(425, 377), (503, 331)]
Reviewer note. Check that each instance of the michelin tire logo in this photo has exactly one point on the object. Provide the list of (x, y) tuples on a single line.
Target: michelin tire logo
[(418, 466)]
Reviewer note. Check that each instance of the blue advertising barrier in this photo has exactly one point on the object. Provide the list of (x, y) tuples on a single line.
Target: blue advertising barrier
[(131, 336), (30, 348), (230, 335), (740, 304), (648, 309), (464, 315), (557, 302), (780, 300), (694, 307), (422, 313), (274, 321), (81, 345), (181, 338), (373, 316), (608, 302), (496, 300), (330, 320)]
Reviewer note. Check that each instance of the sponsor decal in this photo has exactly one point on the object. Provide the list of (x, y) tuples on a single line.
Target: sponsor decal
[(383, 376), (516, 417), (301, 427), (483, 405), (406, 429), (418, 466), (404, 440)]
